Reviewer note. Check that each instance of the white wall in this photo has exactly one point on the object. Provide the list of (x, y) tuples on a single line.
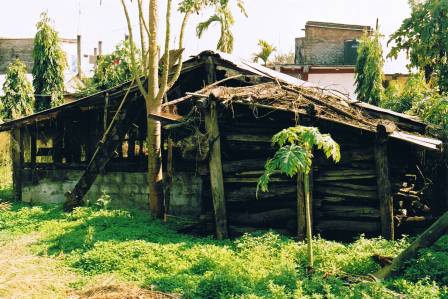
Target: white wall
[(344, 83)]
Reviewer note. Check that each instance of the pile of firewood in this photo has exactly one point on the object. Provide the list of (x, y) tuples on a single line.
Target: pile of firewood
[(409, 202)]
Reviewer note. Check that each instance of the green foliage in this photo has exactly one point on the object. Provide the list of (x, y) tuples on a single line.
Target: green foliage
[(369, 69), (224, 17), (18, 99), (266, 49), (137, 248), (115, 68), (295, 152), (423, 36), (402, 98), (433, 109), (49, 65), (111, 70)]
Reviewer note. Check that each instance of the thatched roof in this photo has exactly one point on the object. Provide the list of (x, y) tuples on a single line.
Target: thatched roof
[(300, 100), (307, 99)]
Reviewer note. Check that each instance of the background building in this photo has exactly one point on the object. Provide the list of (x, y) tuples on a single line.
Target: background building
[(327, 55)]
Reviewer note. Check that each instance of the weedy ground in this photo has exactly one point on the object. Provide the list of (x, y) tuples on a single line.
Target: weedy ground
[(100, 253), (69, 251)]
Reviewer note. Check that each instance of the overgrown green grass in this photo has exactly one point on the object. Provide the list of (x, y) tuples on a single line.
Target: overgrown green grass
[(137, 248)]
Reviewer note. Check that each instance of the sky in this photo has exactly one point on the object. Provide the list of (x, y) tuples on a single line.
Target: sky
[(277, 21)]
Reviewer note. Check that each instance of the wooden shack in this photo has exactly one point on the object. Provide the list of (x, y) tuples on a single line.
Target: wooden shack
[(217, 123)]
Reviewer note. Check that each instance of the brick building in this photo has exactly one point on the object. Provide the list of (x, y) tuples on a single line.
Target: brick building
[(326, 55)]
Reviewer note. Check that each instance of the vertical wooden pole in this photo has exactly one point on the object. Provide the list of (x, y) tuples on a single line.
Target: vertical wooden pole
[(16, 144), (216, 177), (301, 220), (445, 180), (78, 56), (169, 177), (58, 141), (33, 136), (383, 184), (106, 112)]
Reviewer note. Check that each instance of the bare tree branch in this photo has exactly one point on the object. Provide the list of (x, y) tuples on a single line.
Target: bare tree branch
[(135, 71), (179, 64), (143, 28), (166, 55)]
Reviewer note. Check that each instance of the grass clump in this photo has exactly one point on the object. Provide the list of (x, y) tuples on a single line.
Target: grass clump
[(134, 247)]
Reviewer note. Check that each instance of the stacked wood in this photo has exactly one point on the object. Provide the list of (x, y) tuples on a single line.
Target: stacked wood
[(410, 207)]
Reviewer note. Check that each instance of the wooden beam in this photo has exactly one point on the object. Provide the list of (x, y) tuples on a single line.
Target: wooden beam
[(216, 177), (384, 192), (33, 145), (426, 239), (112, 138), (106, 112), (16, 144)]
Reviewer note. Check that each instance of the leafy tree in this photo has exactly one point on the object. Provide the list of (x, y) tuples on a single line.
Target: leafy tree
[(156, 86), (223, 16), (369, 69), (266, 49), (49, 65), (433, 109), (18, 99), (111, 70), (294, 157), (115, 68), (402, 98), (423, 36)]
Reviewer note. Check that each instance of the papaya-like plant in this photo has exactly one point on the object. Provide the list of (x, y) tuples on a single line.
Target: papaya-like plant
[(294, 157)]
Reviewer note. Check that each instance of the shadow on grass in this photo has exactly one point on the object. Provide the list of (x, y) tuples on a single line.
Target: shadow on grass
[(83, 228)]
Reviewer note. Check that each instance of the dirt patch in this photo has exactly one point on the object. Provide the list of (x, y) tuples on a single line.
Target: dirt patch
[(24, 275)]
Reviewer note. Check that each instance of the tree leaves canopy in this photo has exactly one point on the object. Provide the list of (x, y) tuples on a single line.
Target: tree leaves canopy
[(49, 64), (424, 38), (18, 99), (224, 17), (115, 68), (369, 69)]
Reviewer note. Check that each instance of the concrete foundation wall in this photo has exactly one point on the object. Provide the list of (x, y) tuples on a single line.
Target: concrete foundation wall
[(125, 189)]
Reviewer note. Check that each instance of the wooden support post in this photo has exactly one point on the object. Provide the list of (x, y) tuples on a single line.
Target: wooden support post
[(58, 141), (301, 220), (131, 141), (33, 141), (445, 180), (216, 177), (17, 161), (105, 112), (169, 177), (383, 184)]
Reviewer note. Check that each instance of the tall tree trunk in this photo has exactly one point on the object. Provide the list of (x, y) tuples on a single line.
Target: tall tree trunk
[(153, 105)]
